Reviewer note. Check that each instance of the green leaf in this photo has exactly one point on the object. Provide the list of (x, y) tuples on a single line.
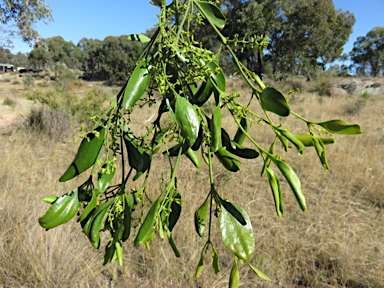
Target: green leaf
[(228, 160), (91, 205), (296, 142), (306, 139), (218, 76), (138, 37), (194, 157), (175, 213), (187, 119), (200, 218), (147, 224), (215, 261), (50, 199), (104, 178), (200, 265), (173, 245), (137, 84), (293, 181), (203, 93), (320, 150), (119, 252), (242, 152), (239, 239), (272, 100), (234, 277), (138, 159), (267, 161), (61, 211), (234, 212), (340, 127), (212, 13), (259, 273), (215, 129), (240, 136), (86, 155), (274, 182)]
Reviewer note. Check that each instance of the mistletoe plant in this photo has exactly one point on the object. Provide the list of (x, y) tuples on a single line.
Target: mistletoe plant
[(186, 75)]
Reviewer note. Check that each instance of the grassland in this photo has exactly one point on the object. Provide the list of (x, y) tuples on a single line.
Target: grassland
[(337, 242)]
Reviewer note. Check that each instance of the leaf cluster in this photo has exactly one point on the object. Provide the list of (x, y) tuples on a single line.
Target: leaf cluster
[(186, 75)]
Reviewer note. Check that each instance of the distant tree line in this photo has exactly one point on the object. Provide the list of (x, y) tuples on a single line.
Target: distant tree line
[(303, 38)]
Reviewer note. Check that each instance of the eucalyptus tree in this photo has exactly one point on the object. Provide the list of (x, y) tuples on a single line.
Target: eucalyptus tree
[(18, 19), (368, 53)]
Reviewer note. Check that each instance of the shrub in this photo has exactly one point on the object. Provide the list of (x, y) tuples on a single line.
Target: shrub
[(29, 81), (16, 82), (54, 123), (297, 82), (9, 102)]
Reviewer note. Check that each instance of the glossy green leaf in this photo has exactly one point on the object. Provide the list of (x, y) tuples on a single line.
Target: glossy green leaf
[(138, 37), (200, 218), (234, 277), (200, 266), (239, 239), (61, 211), (147, 224), (228, 160), (217, 76), (320, 150), (109, 252), (274, 183), (187, 120), (234, 212), (127, 218), (212, 13), (175, 212), (293, 181), (242, 152), (137, 84), (259, 273), (296, 142), (119, 253), (306, 139), (272, 100), (194, 157), (91, 205), (215, 261), (215, 128), (340, 127), (148, 237), (240, 135), (267, 161), (138, 159), (97, 222), (86, 154), (104, 177), (203, 93), (173, 245), (50, 199)]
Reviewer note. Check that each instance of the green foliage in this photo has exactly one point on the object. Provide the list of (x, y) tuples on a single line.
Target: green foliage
[(18, 19), (368, 53), (29, 81), (9, 102), (186, 75)]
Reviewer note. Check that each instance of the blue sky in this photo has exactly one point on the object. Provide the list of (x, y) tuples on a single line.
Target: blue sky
[(75, 19)]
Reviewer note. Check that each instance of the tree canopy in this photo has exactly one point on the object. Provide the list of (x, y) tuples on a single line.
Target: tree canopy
[(304, 35), (368, 53), (18, 19)]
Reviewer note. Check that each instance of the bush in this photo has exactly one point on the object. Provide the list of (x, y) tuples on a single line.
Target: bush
[(16, 82), (29, 81), (54, 123), (297, 82), (9, 102)]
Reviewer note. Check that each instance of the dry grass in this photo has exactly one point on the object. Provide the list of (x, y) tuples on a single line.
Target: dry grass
[(337, 242)]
